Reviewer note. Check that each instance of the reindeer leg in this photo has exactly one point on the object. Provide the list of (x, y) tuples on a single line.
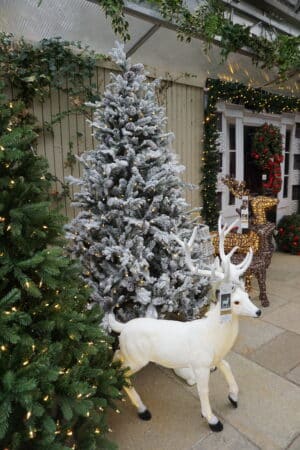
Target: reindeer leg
[(233, 387), (134, 397), (202, 377), (261, 278)]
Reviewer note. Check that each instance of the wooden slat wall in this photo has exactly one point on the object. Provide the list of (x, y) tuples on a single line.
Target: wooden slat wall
[(184, 105), (184, 109)]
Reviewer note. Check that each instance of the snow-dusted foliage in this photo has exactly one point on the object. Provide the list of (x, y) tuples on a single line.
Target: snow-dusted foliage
[(131, 201)]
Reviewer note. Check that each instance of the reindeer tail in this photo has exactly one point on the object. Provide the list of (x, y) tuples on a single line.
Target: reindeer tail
[(114, 324)]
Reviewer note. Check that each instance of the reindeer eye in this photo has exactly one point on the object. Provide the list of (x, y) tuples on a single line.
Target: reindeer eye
[(236, 303)]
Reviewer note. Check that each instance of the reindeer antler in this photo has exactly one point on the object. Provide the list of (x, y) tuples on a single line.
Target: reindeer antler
[(187, 247), (237, 188), (239, 269)]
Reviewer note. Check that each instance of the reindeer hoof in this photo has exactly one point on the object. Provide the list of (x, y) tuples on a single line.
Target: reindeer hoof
[(233, 402), (145, 415), (216, 427)]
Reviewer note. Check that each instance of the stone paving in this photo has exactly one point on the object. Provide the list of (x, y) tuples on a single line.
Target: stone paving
[(266, 365)]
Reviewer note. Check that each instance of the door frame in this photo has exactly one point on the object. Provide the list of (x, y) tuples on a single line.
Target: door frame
[(240, 117)]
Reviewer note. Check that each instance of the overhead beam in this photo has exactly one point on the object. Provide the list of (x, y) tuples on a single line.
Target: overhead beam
[(259, 10), (154, 17), (142, 40), (289, 15)]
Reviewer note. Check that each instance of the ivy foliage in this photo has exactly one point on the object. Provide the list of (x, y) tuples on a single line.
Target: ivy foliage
[(30, 71), (33, 70), (211, 21), (256, 100)]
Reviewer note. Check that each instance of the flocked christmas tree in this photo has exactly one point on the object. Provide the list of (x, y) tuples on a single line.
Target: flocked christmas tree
[(131, 201), (56, 377)]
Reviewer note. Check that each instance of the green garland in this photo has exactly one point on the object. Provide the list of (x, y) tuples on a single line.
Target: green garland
[(256, 100)]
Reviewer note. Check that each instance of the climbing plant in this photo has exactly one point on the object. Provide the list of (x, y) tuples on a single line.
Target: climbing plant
[(211, 20), (30, 71)]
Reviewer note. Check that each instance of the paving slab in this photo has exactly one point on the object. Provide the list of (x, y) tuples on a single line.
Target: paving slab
[(287, 316), (284, 267), (253, 333), (275, 300), (269, 405), (294, 375), (281, 354), (285, 261), (285, 290), (229, 439), (176, 422), (295, 445)]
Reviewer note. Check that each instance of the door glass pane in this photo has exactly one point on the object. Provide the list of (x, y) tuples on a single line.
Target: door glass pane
[(287, 140), (231, 136), (296, 162), (285, 187), (296, 192), (219, 201), (286, 163), (232, 164), (219, 121), (231, 199)]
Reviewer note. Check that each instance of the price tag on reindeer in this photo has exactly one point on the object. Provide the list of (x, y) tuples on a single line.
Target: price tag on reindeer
[(225, 303), (245, 212)]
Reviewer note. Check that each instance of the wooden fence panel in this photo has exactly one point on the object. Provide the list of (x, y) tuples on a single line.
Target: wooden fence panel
[(184, 109)]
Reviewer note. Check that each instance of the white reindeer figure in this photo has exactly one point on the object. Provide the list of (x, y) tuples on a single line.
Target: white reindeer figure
[(196, 346), (236, 273)]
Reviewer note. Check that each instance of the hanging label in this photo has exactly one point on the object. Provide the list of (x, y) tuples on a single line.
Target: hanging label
[(264, 177), (245, 212), (225, 303)]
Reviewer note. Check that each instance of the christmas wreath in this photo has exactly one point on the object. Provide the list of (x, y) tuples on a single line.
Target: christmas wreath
[(267, 154)]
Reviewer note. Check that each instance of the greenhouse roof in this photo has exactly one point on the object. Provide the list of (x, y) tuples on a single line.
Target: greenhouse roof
[(153, 41)]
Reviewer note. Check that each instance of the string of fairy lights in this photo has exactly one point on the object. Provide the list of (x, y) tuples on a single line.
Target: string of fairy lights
[(254, 99), (28, 285)]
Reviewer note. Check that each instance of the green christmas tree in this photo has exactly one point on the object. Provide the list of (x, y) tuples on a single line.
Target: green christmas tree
[(56, 375)]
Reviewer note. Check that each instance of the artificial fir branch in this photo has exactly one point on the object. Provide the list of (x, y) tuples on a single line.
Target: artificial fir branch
[(56, 373)]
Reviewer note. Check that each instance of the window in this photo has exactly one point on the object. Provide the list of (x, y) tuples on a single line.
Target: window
[(220, 161), (286, 164), (296, 192), (296, 162), (231, 136), (219, 122), (297, 130)]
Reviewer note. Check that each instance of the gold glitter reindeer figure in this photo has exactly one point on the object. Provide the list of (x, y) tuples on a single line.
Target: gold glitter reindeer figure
[(259, 237)]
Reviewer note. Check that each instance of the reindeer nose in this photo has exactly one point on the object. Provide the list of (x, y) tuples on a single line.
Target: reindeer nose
[(258, 313)]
